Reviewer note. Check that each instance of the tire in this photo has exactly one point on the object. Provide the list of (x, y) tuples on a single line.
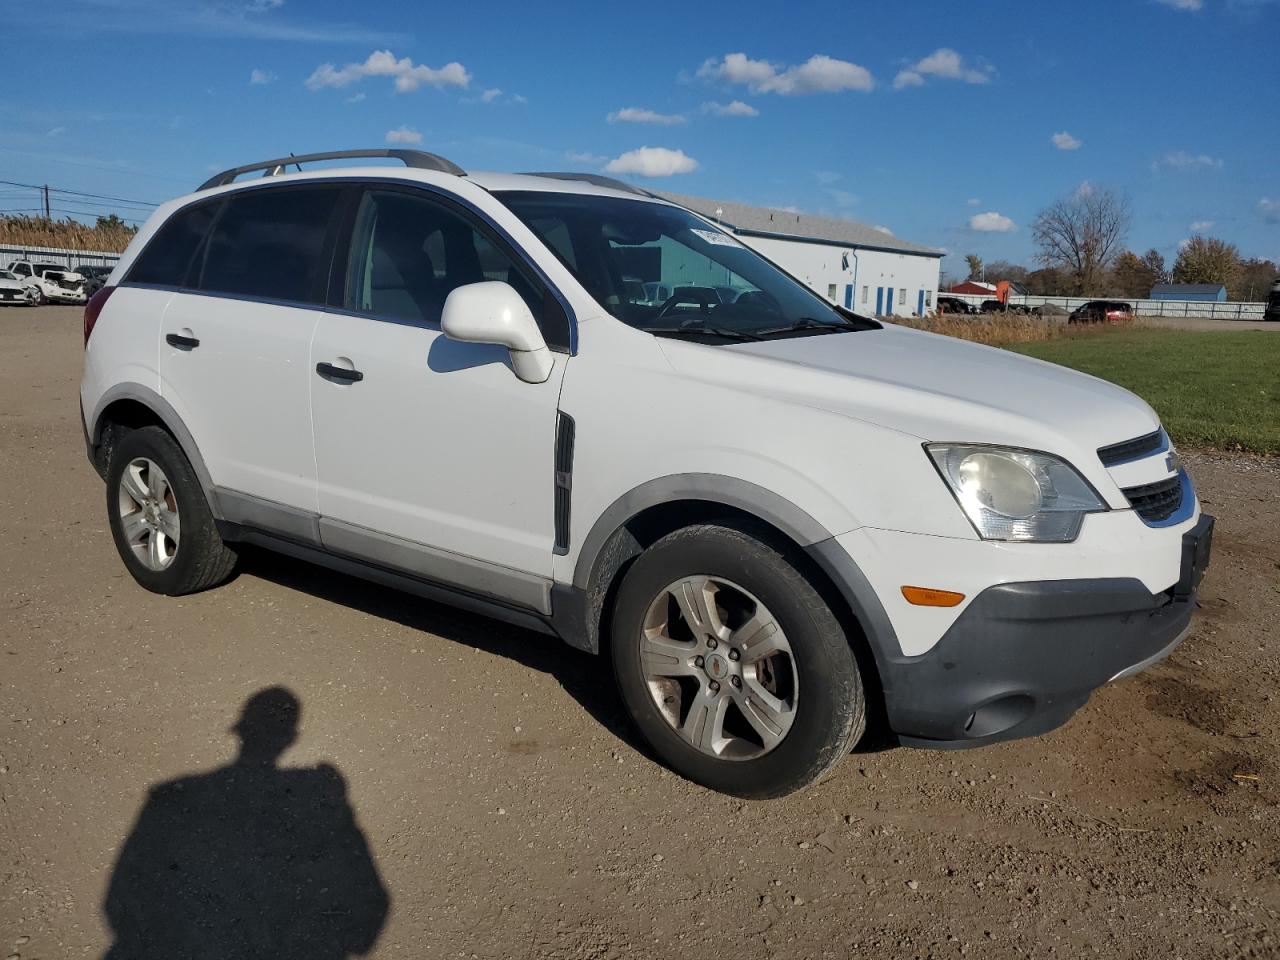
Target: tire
[(746, 583), (38, 299), (160, 520)]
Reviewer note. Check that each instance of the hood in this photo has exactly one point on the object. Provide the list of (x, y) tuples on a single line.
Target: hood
[(933, 387), (7, 284)]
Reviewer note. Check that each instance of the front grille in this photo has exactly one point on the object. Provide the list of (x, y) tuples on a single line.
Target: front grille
[(1131, 449), (1156, 501)]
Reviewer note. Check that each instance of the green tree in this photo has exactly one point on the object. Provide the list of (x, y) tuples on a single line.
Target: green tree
[(111, 222), (1207, 260)]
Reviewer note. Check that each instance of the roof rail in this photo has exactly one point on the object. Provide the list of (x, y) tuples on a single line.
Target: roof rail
[(596, 180), (419, 159)]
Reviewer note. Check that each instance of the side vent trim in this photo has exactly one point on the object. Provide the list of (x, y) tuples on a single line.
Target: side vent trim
[(565, 429)]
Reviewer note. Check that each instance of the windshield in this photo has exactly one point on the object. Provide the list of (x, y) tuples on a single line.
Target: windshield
[(664, 270), (6, 275)]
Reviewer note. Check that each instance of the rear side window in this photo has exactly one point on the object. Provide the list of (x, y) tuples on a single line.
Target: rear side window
[(270, 244), (167, 259)]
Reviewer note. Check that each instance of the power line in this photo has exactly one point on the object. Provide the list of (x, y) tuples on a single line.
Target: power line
[(78, 193)]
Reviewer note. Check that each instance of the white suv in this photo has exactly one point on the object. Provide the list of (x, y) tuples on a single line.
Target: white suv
[(784, 521)]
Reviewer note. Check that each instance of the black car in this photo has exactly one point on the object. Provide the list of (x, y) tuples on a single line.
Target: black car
[(1102, 311), (954, 305), (1273, 305), (997, 306)]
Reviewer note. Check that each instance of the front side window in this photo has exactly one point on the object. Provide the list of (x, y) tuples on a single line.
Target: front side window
[(269, 243), (409, 253), (664, 270), (22, 270)]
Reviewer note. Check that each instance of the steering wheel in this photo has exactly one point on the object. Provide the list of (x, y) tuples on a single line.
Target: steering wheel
[(703, 298)]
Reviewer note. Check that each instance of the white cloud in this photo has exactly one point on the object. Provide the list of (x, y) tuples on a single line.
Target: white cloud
[(1270, 209), (882, 229), (260, 78), (827, 176), (490, 95), (57, 131), (519, 98), (1192, 5), (383, 63), (652, 162), (590, 159), (735, 108), (641, 115), (1184, 162), (1065, 141), (991, 222), (1200, 226), (356, 98), (403, 134), (818, 74), (943, 64), (973, 201)]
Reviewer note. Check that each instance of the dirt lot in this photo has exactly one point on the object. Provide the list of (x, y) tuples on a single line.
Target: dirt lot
[(508, 810)]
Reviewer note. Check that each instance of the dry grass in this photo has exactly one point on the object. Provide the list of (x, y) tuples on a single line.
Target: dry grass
[(39, 232), (999, 329)]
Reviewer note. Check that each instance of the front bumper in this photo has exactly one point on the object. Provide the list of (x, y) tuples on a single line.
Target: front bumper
[(67, 296), (1023, 657)]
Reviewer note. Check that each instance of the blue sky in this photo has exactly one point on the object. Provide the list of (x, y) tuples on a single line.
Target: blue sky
[(950, 123)]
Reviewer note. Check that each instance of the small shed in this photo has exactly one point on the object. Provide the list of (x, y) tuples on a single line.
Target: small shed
[(1202, 292)]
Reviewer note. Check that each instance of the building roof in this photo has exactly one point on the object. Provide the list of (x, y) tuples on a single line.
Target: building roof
[(788, 224), (1187, 288)]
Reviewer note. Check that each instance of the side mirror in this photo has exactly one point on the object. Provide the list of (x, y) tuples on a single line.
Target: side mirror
[(492, 312)]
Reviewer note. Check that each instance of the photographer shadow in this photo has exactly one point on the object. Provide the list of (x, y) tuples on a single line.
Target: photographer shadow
[(251, 860)]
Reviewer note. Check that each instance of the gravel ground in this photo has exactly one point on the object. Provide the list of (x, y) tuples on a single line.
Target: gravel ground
[(502, 806)]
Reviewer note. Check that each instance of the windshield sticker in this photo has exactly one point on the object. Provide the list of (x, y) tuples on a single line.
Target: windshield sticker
[(713, 236)]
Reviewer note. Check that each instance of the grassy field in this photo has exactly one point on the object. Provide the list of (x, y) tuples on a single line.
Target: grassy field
[(1216, 390)]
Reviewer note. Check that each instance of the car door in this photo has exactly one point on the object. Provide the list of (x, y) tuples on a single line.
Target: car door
[(432, 456), (235, 349)]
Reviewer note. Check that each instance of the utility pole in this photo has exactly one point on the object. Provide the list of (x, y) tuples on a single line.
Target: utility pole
[(46, 203)]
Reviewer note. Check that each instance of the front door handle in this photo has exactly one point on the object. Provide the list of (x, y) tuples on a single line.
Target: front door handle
[(344, 374), (181, 342)]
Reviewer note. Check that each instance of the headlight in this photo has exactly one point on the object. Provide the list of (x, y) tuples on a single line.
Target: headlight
[(1016, 494)]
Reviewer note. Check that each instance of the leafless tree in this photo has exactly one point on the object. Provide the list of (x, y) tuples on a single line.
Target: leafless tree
[(1082, 234)]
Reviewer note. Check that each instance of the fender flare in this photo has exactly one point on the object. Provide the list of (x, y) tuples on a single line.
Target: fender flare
[(167, 416), (713, 488)]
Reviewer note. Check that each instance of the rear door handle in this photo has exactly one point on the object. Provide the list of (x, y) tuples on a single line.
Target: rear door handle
[(345, 374), (181, 342)]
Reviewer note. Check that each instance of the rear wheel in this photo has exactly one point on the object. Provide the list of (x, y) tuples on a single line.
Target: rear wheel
[(161, 523), (732, 665)]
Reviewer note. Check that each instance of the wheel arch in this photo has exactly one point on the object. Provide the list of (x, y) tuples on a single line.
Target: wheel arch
[(129, 406), (651, 511)]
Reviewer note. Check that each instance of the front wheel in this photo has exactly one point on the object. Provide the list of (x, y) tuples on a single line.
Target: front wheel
[(732, 665), (36, 297)]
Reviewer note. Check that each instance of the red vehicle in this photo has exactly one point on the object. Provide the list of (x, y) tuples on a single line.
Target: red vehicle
[(1102, 311)]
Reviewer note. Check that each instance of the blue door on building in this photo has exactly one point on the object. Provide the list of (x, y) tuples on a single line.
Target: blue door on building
[(888, 302), (879, 301), (848, 296), (920, 305)]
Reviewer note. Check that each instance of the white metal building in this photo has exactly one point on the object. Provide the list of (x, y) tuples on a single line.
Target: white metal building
[(853, 264)]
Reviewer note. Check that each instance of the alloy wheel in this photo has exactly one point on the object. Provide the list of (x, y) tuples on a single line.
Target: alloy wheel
[(149, 513), (719, 668)]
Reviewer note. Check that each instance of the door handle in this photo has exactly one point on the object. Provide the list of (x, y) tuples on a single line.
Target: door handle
[(345, 374), (181, 342)]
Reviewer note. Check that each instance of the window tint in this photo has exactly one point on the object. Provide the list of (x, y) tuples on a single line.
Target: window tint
[(409, 253), (167, 258), (22, 269), (268, 243)]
